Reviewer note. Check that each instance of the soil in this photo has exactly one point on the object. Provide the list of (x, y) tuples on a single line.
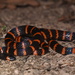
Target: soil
[(44, 16)]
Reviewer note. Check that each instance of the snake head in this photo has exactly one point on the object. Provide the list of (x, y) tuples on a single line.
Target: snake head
[(5, 56)]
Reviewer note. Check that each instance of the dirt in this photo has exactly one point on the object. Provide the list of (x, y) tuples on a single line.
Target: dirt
[(44, 16)]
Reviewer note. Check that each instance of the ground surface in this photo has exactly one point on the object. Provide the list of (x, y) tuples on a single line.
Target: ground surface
[(43, 17)]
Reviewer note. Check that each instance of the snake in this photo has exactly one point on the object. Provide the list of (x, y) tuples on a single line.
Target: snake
[(30, 40)]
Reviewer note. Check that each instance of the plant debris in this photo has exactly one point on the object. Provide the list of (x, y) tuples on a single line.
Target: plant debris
[(13, 3)]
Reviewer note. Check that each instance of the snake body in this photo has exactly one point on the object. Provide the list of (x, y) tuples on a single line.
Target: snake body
[(27, 40)]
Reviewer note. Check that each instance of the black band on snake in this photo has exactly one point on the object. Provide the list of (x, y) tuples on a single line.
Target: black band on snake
[(28, 40)]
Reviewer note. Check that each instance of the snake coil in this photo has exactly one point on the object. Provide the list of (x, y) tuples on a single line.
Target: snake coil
[(27, 40)]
